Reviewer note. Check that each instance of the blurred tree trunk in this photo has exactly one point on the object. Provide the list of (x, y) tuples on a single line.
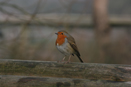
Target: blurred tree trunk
[(102, 29)]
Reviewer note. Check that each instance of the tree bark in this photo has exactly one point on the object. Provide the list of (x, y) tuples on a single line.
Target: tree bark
[(102, 29)]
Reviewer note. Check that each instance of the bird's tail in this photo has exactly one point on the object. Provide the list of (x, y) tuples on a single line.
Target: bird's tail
[(80, 59)]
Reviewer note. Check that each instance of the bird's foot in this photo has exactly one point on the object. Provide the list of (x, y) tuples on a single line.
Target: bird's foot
[(61, 61), (67, 62)]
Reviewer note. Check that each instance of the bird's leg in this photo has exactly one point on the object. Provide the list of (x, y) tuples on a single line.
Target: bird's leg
[(63, 59), (69, 59)]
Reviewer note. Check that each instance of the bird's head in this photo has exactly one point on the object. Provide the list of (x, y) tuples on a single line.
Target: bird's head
[(62, 34)]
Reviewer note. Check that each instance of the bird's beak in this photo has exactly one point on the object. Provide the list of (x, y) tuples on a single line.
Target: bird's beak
[(56, 33)]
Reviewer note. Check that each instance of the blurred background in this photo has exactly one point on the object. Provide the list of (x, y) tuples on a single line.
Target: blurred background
[(101, 28)]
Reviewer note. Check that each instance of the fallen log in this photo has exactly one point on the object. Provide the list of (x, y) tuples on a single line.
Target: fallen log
[(31, 81), (92, 71)]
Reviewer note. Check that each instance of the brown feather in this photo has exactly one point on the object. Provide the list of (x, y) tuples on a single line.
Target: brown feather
[(73, 45)]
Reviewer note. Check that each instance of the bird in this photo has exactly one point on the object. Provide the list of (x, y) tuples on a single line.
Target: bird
[(66, 44)]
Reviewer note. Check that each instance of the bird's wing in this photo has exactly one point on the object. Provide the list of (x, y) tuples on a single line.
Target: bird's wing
[(73, 45)]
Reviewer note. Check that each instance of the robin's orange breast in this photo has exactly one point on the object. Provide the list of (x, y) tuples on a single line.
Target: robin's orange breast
[(60, 39)]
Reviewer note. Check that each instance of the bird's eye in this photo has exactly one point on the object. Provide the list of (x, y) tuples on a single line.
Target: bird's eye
[(62, 33)]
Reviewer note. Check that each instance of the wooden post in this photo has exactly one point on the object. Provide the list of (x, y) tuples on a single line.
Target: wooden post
[(102, 29)]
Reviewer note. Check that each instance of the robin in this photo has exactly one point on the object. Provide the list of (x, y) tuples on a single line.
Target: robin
[(65, 43)]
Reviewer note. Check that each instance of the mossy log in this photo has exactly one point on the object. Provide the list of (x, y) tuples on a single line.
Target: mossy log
[(31, 81), (92, 71)]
